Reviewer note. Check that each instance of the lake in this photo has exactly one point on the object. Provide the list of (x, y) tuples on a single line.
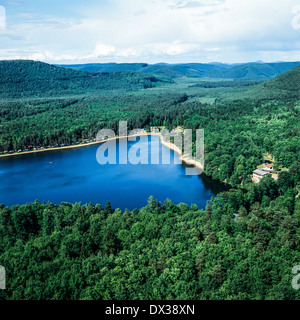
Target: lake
[(74, 175)]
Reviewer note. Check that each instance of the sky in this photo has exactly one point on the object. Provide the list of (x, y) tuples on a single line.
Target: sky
[(150, 31)]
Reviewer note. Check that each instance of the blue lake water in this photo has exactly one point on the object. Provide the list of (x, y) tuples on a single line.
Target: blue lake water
[(74, 175)]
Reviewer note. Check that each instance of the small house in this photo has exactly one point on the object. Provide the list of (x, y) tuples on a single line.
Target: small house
[(258, 175)]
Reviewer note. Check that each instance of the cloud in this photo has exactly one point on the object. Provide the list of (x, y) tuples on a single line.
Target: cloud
[(140, 13), (38, 56), (103, 50), (176, 48), (128, 52), (12, 3), (151, 31), (196, 4), (2, 18)]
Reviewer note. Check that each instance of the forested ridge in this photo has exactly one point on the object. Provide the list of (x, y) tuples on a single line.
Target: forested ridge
[(288, 81), (243, 246), (25, 78), (254, 70)]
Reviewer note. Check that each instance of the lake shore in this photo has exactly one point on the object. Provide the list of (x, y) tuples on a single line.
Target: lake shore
[(169, 145), (183, 158), (64, 147)]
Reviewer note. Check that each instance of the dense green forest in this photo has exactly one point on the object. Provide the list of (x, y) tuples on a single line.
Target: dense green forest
[(243, 246), (36, 79)]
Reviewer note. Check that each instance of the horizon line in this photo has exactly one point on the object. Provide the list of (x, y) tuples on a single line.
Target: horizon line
[(157, 63)]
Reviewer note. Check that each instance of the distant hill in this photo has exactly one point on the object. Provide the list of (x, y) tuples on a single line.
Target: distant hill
[(23, 78), (162, 70), (248, 71), (289, 81), (254, 71), (107, 67), (284, 86)]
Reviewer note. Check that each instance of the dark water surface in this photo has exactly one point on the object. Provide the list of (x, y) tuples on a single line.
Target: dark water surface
[(74, 175)]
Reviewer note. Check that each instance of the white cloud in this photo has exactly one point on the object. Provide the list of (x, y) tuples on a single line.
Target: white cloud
[(38, 56), (103, 50), (173, 49), (196, 4), (157, 30), (128, 52), (2, 18), (108, 50)]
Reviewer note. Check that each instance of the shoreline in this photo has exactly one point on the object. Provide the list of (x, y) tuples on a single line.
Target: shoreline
[(169, 145), (184, 159), (64, 147)]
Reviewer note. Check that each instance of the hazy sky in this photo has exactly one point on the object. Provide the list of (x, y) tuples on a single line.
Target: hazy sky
[(73, 31)]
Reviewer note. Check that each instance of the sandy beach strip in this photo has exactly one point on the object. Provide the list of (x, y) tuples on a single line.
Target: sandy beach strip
[(65, 147), (183, 158)]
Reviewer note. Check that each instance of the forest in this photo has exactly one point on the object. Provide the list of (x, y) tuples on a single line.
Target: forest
[(21, 79), (242, 246), (243, 71)]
